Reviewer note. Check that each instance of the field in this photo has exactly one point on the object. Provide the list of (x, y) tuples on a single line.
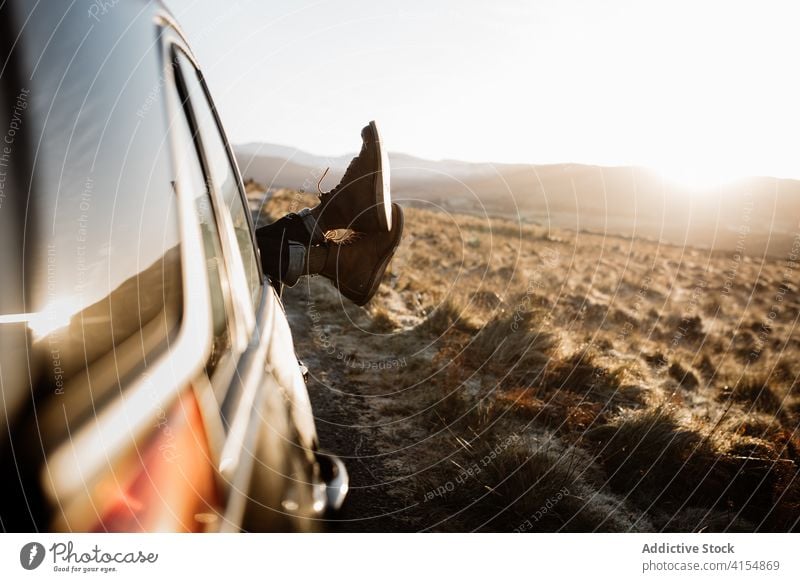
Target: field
[(512, 377)]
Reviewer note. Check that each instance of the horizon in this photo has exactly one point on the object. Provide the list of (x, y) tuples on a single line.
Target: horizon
[(701, 93), (495, 163)]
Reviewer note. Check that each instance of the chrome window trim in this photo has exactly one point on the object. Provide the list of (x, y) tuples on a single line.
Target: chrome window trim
[(236, 174), (205, 388), (244, 408), (240, 289), (253, 366)]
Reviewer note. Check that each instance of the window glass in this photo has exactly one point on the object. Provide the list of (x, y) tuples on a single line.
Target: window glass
[(223, 175), (106, 269), (191, 176), (103, 273)]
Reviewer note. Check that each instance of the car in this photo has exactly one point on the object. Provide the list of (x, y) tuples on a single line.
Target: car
[(149, 379)]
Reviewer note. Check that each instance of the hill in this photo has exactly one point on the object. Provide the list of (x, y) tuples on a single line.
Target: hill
[(626, 201)]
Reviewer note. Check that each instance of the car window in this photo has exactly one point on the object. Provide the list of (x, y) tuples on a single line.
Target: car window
[(224, 177), (107, 271), (190, 174), (104, 279)]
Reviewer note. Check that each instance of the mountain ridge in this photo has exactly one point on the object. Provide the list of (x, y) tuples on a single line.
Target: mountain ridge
[(756, 214)]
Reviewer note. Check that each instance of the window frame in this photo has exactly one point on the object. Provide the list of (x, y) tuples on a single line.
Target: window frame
[(226, 367), (243, 298), (234, 166)]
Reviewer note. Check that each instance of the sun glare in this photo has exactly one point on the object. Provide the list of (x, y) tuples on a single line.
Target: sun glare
[(698, 179)]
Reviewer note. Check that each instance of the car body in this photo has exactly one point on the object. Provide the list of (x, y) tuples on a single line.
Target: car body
[(149, 378)]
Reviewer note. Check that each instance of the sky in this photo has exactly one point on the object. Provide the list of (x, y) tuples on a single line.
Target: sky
[(704, 91)]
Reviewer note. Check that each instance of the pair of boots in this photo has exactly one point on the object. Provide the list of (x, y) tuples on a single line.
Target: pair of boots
[(360, 203)]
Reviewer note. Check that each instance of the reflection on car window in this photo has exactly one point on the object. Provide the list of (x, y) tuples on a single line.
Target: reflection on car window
[(191, 175), (223, 176), (104, 280)]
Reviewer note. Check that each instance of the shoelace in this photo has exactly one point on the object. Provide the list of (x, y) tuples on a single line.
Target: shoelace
[(325, 173), (344, 181)]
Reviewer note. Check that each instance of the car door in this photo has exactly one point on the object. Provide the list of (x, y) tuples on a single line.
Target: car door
[(159, 378), (114, 434)]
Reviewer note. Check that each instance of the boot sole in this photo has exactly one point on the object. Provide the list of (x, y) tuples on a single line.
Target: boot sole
[(383, 192), (375, 281)]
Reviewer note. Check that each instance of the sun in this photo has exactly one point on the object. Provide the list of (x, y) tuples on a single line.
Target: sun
[(700, 176)]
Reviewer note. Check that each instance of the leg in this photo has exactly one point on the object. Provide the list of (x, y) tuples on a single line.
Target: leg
[(284, 257), (355, 268), (296, 245)]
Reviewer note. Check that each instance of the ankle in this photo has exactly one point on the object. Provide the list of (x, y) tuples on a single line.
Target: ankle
[(296, 257), (317, 214), (313, 224), (316, 258)]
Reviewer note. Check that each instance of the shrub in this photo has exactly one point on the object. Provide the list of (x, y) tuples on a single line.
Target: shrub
[(753, 391), (449, 314), (515, 343), (664, 466), (683, 376)]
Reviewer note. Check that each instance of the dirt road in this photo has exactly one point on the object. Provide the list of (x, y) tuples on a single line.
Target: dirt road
[(346, 416)]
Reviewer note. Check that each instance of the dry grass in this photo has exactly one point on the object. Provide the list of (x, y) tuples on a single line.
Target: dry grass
[(517, 342), (639, 376), (754, 391), (382, 321), (661, 463)]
